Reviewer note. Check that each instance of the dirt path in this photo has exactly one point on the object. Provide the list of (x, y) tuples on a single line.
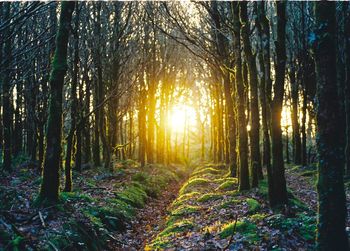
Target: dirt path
[(149, 220)]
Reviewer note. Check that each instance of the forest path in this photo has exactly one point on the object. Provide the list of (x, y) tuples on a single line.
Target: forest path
[(150, 219)]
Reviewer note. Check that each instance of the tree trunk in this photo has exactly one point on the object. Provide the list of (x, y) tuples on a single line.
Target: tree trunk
[(242, 126), (295, 123), (73, 111), (331, 233), (278, 195), (254, 105), (6, 92), (50, 185)]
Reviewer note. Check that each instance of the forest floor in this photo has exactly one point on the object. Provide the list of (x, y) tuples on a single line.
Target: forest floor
[(158, 207), (108, 209), (210, 214)]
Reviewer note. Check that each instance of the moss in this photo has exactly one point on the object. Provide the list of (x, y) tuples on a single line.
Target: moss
[(133, 195), (257, 217), (304, 224), (263, 188), (228, 204), (177, 227), (208, 170), (182, 199), (209, 196), (74, 196), (182, 212), (192, 184), (253, 204), (245, 228), (227, 185)]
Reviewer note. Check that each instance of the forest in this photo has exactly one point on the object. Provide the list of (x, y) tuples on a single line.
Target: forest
[(174, 125)]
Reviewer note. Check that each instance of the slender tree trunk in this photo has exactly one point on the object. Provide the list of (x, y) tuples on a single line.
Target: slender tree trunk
[(242, 126), (254, 105), (266, 88), (6, 92), (278, 195), (73, 111), (295, 122), (50, 185)]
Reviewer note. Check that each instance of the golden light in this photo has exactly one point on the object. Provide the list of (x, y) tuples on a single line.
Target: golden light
[(181, 115)]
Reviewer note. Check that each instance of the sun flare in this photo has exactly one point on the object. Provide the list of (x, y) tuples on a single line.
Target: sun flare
[(180, 116)]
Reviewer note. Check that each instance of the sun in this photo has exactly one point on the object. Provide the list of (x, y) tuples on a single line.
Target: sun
[(180, 116)]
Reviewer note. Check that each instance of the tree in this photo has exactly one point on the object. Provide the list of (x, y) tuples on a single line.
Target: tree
[(331, 233), (254, 99), (6, 100), (242, 126), (50, 185), (278, 195)]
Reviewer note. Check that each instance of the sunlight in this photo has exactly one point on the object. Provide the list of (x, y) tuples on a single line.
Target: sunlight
[(180, 115)]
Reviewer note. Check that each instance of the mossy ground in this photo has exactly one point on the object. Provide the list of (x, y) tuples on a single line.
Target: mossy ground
[(209, 202), (102, 203)]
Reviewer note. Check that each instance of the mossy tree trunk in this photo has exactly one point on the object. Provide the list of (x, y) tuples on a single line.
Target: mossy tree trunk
[(254, 103), (331, 233), (50, 185), (73, 108), (242, 126), (278, 195), (266, 87)]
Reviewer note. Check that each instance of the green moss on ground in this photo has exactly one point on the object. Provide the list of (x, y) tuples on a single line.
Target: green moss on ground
[(194, 183), (245, 228), (210, 197), (253, 204)]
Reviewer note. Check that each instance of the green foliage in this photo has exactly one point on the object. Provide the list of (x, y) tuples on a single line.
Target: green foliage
[(245, 228), (209, 196), (253, 204), (194, 183)]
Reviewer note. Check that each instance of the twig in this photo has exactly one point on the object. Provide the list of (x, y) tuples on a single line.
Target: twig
[(42, 219), (233, 233)]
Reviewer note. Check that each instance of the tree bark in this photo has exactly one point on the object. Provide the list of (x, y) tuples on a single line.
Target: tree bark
[(278, 195), (332, 212), (242, 126), (50, 185), (254, 103)]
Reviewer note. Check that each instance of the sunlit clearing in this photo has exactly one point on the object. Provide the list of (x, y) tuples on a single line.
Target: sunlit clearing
[(181, 116)]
